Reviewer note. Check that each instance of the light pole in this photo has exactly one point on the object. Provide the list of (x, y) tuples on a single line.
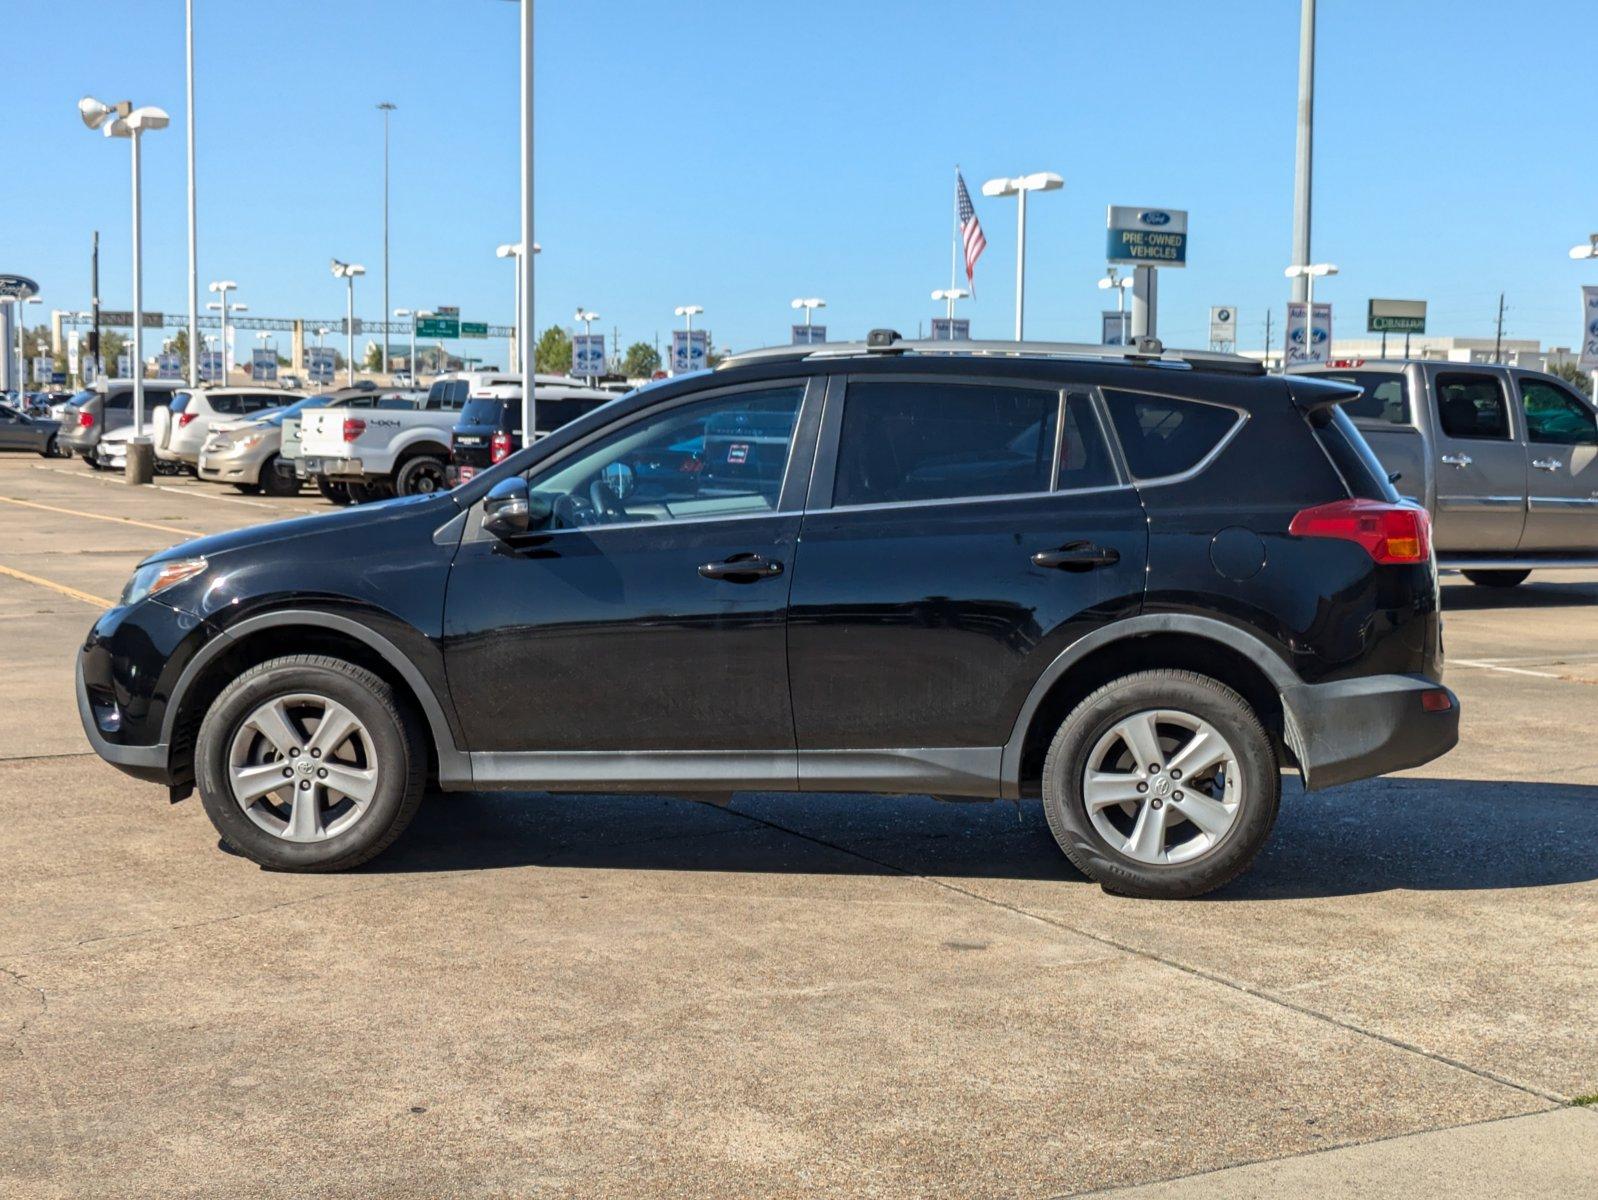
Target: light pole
[(348, 272), (587, 318), (687, 313), (949, 296), (20, 304), (1309, 273), (385, 107), (125, 121), (194, 261), (513, 251), (1040, 181), (405, 312), (1114, 279), (1304, 150), (1589, 331), (222, 287)]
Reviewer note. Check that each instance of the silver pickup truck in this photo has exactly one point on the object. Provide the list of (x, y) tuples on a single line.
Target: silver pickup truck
[(1504, 458)]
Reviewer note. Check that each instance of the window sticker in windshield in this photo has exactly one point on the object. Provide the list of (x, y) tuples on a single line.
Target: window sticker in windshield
[(738, 453)]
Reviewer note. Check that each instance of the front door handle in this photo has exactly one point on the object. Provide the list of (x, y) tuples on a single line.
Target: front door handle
[(1547, 464), (1458, 460), (1078, 556), (742, 568)]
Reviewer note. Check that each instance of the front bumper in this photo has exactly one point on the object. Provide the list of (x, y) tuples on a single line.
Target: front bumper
[(149, 763), (230, 468), (1359, 728)]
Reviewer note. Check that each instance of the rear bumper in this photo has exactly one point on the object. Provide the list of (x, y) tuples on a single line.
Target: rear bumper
[(1358, 728)]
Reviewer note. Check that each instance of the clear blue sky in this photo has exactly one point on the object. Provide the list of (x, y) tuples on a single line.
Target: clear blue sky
[(736, 154)]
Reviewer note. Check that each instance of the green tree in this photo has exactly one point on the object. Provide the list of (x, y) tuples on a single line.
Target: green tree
[(553, 354), (373, 360), (111, 345), (1575, 376), (641, 361), (180, 347)]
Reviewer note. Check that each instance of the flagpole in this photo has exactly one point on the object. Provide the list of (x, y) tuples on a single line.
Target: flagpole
[(954, 240)]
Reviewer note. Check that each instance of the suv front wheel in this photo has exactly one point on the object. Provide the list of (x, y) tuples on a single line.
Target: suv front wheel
[(309, 763), (1162, 784)]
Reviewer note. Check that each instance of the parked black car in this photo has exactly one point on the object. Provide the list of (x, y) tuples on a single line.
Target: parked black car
[(1136, 584), (490, 427)]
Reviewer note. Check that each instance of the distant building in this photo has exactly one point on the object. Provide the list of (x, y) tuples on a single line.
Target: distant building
[(1513, 352)]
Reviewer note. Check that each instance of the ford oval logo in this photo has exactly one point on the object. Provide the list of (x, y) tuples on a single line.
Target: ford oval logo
[(1155, 218)]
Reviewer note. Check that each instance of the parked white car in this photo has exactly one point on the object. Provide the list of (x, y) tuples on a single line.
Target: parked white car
[(186, 436)]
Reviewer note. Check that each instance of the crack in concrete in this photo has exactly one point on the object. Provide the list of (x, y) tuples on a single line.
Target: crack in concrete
[(1196, 972)]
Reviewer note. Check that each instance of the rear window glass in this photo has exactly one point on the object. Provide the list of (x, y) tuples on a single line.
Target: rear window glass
[(904, 441), (1351, 454), (481, 412), (1162, 435), (1383, 396)]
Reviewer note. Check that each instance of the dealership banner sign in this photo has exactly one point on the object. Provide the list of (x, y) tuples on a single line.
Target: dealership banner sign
[(1308, 334), (263, 366), (1223, 325), (1589, 329), (588, 355), (951, 329), (1115, 328), (1395, 316), (809, 335), (689, 354)]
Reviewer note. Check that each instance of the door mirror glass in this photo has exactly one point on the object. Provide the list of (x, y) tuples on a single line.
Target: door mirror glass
[(507, 509)]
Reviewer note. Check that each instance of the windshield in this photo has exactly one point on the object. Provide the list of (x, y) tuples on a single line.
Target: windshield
[(83, 397), (300, 406)]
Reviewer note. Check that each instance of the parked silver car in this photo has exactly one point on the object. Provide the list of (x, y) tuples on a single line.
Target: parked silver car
[(19, 431), (107, 405), (248, 454)]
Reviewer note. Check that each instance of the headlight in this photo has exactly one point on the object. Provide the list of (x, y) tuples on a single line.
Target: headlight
[(154, 578), (248, 442)]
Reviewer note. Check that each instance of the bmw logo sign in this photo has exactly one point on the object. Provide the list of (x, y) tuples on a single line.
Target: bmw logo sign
[(1155, 218), (1223, 315)]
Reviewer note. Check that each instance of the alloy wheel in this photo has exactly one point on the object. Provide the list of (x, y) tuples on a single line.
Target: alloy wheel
[(1162, 787), (303, 767)]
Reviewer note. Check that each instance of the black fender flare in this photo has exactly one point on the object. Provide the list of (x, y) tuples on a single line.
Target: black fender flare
[(1254, 648), (454, 765)]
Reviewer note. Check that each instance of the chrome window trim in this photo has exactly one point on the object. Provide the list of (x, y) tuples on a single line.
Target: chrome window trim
[(1197, 468), (1008, 496)]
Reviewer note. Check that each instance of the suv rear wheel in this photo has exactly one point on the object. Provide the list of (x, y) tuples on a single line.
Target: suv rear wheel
[(308, 763), (1162, 784), (1497, 579)]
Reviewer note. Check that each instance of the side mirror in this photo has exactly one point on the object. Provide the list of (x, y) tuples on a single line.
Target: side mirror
[(506, 510)]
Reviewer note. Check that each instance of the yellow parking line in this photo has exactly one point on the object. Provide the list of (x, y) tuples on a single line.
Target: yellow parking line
[(73, 512), (97, 601)]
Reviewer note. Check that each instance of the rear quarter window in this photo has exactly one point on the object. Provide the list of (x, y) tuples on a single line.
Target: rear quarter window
[(1356, 462), (1165, 435)]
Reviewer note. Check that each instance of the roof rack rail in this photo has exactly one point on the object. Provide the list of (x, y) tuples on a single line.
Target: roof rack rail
[(884, 341)]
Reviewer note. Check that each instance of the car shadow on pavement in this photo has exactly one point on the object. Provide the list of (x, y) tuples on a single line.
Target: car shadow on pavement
[(1401, 833), (1469, 598)]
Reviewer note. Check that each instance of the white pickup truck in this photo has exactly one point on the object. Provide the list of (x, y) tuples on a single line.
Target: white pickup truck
[(387, 452)]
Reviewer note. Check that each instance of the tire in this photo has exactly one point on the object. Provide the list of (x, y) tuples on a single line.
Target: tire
[(333, 493), (366, 493), (1188, 859), (275, 482), (249, 489), (51, 449), (421, 476), (1497, 579), (385, 754), (92, 458)]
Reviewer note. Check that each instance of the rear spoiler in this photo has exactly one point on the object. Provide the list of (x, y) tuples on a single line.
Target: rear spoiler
[(1312, 394)]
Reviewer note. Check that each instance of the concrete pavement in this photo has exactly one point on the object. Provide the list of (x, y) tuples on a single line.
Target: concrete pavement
[(537, 995)]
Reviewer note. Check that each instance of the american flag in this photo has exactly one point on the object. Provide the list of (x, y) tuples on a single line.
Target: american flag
[(970, 228)]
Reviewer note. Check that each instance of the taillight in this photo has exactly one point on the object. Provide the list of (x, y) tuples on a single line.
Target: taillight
[(185, 418), (85, 420), (353, 428), (1390, 533), (499, 446)]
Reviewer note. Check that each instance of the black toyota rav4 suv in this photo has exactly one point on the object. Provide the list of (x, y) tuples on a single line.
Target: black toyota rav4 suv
[(1138, 585)]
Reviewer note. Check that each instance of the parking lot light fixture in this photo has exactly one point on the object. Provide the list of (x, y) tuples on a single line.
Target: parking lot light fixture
[(1310, 272), (1114, 279), (687, 312), (513, 251), (125, 121), (949, 296), (348, 272), (1038, 181), (222, 287), (809, 304)]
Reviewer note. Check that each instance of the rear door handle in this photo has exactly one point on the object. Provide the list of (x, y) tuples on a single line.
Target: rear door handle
[(742, 568), (1547, 464), (1458, 460), (1078, 556)]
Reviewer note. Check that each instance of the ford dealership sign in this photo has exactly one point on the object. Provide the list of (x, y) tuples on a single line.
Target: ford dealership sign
[(1147, 237)]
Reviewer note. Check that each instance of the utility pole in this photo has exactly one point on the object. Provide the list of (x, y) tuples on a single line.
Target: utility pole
[(1303, 167), (1498, 338), (1267, 337), (94, 305)]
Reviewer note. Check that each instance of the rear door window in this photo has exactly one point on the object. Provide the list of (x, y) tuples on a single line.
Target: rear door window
[(1384, 396), (1166, 435), (1472, 406), (1554, 416), (904, 441), (226, 405)]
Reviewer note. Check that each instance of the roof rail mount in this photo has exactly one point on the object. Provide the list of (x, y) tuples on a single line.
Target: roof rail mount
[(884, 341), (1149, 345)]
